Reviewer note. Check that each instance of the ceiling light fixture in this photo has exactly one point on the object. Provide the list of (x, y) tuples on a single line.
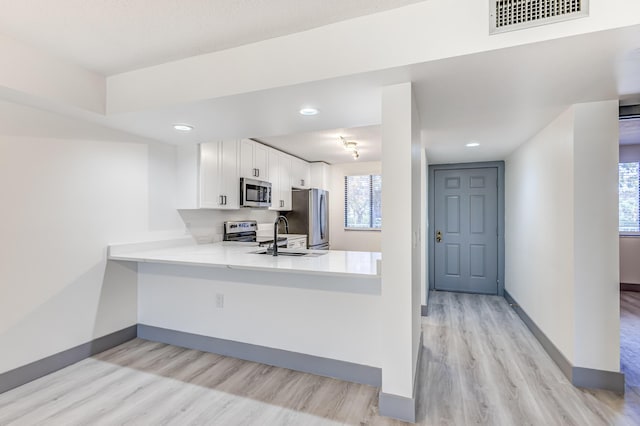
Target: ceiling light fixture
[(472, 144), (350, 146), (309, 111), (183, 127)]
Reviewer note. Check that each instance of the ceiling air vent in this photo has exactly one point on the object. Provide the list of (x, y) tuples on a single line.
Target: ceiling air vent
[(511, 15)]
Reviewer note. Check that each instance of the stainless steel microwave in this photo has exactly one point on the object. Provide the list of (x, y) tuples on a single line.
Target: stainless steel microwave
[(255, 193)]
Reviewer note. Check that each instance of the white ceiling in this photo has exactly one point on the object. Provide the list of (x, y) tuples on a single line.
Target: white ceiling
[(114, 36), (325, 145), (499, 98)]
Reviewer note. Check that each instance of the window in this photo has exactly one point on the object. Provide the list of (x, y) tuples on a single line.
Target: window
[(629, 197), (363, 202)]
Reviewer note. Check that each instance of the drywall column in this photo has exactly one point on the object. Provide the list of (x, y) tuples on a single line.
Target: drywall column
[(562, 241), (401, 200), (596, 243)]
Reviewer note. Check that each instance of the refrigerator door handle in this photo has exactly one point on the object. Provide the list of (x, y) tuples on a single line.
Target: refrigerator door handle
[(322, 217)]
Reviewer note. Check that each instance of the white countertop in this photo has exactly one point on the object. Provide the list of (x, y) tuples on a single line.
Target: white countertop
[(241, 256)]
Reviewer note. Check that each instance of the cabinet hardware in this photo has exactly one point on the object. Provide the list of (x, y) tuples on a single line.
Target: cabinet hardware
[(301, 182), (257, 172), (438, 236), (221, 201)]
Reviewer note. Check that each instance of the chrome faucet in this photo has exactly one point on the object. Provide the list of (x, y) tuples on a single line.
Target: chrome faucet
[(275, 232)]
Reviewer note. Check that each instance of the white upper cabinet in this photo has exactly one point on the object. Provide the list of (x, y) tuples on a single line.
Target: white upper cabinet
[(320, 175), (285, 181), (219, 177), (254, 160), (300, 173), (208, 175), (280, 178)]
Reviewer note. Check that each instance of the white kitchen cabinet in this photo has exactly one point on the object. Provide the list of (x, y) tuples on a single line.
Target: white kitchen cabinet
[(300, 173), (280, 178), (219, 175), (254, 160), (320, 175)]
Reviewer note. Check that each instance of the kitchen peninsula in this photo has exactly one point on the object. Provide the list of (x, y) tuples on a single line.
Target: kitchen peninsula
[(317, 313)]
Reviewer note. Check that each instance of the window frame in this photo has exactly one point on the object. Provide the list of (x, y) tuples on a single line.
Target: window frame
[(371, 218), (627, 233)]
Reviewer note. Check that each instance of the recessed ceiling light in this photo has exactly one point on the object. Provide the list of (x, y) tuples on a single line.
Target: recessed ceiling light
[(308, 111), (183, 127), (472, 144)]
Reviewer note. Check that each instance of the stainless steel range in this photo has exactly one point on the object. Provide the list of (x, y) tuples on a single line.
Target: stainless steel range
[(246, 231)]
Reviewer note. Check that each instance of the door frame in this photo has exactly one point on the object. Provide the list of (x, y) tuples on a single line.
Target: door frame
[(431, 218)]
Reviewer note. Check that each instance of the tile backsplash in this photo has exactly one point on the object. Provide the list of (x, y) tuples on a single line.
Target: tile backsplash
[(206, 226)]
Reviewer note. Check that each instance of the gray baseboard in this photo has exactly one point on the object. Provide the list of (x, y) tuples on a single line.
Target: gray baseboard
[(629, 287), (342, 370), (400, 407), (35, 370), (578, 376)]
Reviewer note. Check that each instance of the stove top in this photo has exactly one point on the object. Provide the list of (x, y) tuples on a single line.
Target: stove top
[(246, 231)]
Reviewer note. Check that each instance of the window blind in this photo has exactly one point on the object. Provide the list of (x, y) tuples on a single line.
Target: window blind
[(629, 197), (363, 202)]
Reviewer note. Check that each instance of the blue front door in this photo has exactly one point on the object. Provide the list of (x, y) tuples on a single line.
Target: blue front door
[(466, 230)]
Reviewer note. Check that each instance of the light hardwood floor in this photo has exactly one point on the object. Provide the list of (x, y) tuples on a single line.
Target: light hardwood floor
[(480, 366), (630, 339)]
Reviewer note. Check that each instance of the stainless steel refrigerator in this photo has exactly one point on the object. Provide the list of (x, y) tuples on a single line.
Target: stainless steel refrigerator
[(309, 215)]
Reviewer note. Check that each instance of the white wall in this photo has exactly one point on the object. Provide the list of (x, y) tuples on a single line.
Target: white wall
[(539, 230), (68, 189), (401, 263), (207, 226), (629, 246), (273, 311), (596, 243), (424, 227), (561, 233), (339, 238)]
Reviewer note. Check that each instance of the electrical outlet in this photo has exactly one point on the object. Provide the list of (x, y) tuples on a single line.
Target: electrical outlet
[(219, 300)]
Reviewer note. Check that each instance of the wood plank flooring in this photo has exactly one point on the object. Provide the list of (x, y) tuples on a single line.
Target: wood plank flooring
[(480, 366), (630, 338)]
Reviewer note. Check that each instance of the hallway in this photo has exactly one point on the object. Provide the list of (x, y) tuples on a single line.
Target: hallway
[(485, 367)]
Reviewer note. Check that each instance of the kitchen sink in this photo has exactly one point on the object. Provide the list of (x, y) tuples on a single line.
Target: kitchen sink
[(290, 252)]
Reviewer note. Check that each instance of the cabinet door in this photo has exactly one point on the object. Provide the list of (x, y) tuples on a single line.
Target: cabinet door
[(320, 175), (229, 174), (247, 168), (284, 178), (300, 173), (210, 197), (274, 175), (261, 161)]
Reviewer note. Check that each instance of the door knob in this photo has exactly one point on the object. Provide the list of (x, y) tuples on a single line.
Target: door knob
[(438, 236)]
